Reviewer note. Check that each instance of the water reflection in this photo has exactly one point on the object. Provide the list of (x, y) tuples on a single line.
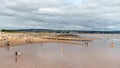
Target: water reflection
[(58, 55), (62, 48)]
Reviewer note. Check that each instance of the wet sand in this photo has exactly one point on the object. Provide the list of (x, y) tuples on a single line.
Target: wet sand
[(99, 54)]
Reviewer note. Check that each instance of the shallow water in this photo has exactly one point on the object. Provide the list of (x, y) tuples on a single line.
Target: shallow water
[(98, 54)]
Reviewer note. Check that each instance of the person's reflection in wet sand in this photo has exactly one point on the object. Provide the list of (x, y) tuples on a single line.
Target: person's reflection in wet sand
[(61, 50), (7, 44), (41, 43), (86, 43)]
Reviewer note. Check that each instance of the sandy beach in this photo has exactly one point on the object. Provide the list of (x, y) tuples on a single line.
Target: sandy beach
[(60, 53), (28, 38), (18, 39)]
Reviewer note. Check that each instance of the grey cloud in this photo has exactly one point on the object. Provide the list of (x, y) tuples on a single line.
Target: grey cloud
[(60, 14)]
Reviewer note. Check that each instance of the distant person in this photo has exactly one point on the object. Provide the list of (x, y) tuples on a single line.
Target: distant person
[(112, 45), (17, 55), (7, 43)]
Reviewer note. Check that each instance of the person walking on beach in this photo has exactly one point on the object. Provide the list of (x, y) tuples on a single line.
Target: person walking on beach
[(17, 55)]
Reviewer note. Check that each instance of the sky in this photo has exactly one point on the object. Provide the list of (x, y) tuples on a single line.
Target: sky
[(60, 14)]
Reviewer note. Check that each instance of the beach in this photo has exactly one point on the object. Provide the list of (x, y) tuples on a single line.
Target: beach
[(59, 34), (27, 38), (61, 53)]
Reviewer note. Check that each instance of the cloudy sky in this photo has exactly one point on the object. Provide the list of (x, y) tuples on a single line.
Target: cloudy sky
[(60, 14)]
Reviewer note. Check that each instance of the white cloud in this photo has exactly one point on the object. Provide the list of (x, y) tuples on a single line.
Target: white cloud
[(50, 10), (110, 27)]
